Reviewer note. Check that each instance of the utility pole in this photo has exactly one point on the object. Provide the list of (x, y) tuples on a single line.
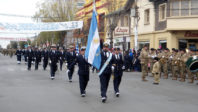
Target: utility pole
[(136, 19)]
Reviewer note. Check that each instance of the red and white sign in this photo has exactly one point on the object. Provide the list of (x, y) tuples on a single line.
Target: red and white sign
[(191, 34), (13, 39), (122, 30)]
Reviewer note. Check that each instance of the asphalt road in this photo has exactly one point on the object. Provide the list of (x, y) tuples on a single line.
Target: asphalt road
[(33, 91)]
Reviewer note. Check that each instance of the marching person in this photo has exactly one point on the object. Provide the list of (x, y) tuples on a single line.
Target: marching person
[(25, 55), (164, 58), (106, 74), (37, 55), (156, 71), (18, 54), (175, 64), (45, 55), (144, 56), (83, 71), (70, 57), (62, 57), (30, 56), (117, 66), (182, 66), (53, 55), (152, 55)]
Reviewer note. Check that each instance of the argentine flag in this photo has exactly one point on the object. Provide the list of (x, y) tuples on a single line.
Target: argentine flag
[(92, 52)]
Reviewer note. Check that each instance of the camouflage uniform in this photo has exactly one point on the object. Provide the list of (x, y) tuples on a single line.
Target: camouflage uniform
[(144, 58)]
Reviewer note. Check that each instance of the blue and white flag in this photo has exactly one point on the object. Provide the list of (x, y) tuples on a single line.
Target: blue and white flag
[(77, 48), (92, 52)]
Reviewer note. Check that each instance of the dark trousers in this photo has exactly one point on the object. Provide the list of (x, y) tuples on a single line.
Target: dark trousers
[(61, 64), (53, 68), (36, 64), (104, 83), (25, 58), (29, 64), (45, 62), (117, 81), (83, 81), (70, 73), (19, 58)]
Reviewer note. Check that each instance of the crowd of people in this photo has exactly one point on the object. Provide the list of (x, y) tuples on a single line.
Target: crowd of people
[(169, 64), (156, 63)]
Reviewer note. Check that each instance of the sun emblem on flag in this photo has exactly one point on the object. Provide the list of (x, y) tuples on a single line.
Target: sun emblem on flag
[(96, 40)]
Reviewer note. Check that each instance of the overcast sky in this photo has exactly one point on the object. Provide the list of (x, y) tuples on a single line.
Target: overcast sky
[(17, 7)]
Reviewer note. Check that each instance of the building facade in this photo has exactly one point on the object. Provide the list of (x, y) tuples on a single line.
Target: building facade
[(173, 24)]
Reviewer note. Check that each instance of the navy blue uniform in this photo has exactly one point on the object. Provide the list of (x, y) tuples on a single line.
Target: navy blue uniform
[(118, 71), (83, 73), (61, 58), (45, 55), (37, 55), (71, 58), (53, 55), (25, 55), (18, 54), (106, 74), (30, 56)]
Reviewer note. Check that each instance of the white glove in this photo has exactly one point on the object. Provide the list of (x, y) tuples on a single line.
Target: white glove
[(50, 62), (123, 67), (194, 57), (66, 64), (153, 56), (162, 56), (67, 71), (112, 68), (171, 57)]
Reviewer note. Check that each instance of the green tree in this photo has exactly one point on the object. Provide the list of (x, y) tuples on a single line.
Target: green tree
[(54, 11), (13, 44)]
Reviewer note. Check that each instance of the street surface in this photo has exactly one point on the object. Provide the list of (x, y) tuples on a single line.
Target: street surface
[(33, 91)]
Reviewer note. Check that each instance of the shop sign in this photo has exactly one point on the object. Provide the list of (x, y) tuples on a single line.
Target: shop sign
[(191, 34), (122, 30)]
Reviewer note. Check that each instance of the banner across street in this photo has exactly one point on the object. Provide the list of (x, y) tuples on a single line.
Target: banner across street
[(40, 27)]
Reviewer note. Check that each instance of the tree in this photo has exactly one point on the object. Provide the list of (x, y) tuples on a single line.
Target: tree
[(55, 11), (114, 8)]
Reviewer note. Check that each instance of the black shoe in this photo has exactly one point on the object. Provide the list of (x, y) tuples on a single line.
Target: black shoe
[(52, 78), (83, 95), (156, 83), (117, 94), (70, 80), (104, 99)]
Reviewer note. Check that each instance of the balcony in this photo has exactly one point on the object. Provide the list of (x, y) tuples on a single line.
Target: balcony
[(182, 23)]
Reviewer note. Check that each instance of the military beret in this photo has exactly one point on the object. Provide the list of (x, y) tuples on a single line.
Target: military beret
[(156, 58), (152, 49)]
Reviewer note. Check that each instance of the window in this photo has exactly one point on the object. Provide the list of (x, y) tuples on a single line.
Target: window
[(126, 21), (162, 44), (122, 21), (194, 7), (147, 16), (175, 7), (185, 8), (162, 12)]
